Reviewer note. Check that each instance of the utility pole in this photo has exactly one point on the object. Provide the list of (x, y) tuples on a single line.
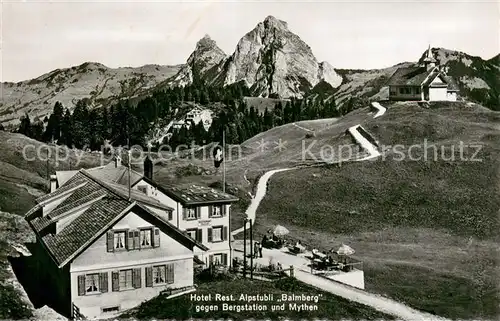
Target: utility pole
[(129, 158), (223, 160), (252, 250), (245, 248)]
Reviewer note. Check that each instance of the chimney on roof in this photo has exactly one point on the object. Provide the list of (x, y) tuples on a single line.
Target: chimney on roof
[(148, 167), (118, 161), (53, 183)]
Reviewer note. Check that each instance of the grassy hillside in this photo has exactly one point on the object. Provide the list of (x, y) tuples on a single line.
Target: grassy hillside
[(426, 230), (329, 306), (89, 80), (260, 104)]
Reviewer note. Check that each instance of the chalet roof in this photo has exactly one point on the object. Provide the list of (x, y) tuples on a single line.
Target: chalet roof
[(117, 179), (103, 204), (194, 194), (420, 76), (409, 76), (117, 175), (76, 183)]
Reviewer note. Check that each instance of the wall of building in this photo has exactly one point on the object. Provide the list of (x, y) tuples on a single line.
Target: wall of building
[(91, 305), (396, 94), (438, 93), (151, 191), (96, 259), (97, 256), (204, 223)]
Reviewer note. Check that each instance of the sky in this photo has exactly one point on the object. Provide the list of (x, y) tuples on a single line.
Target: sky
[(40, 36)]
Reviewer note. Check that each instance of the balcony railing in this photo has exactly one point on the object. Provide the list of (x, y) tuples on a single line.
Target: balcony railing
[(76, 315)]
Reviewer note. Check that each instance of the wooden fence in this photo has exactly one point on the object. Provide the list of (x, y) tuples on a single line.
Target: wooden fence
[(266, 275), (76, 315)]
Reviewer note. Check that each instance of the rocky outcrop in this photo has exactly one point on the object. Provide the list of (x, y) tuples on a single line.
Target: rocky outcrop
[(202, 60), (329, 75), (270, 59), (274, 62)]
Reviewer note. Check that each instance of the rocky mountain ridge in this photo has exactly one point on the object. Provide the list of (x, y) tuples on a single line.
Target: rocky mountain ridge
[(270, 59), (91, 80), (478, 79)]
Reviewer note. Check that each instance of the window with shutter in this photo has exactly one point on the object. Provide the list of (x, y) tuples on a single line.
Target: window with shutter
[(210, 234), (120, 240), (115, 281), (81, 285), (136, 278), (217, 259), (225, 233), (146, 237), (190, 213), (126, 279), (216, 210), (170, 273), (217, 234), (192, 233), (159, 274), (130, 240), (149, 276), (224, 259), (137, 240), (109, 241), (199, 235), (103, 282), (198, 212), (224, 209), (156, 242), (170, 215), (92, 283)]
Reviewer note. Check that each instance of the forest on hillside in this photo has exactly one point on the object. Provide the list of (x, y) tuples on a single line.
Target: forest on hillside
[(130, 122)]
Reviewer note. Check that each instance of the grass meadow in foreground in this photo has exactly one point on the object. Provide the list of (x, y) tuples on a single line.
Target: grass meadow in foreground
[(400, 217)]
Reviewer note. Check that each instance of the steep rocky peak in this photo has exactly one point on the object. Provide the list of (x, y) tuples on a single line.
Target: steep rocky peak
[(206, 43), (207, 48), (273, 23)]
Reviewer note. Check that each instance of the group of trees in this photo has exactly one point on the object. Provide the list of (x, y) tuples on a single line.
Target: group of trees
[(130, 121)]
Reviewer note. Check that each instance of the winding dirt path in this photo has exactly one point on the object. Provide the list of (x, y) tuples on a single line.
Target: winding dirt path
[(375, 301)]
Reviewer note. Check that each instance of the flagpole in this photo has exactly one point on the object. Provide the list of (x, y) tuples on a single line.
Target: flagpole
[(129, 184), (223, 160)]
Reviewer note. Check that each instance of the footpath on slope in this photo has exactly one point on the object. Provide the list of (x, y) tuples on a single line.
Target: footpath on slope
[(302, 273), (380, 109), (364, 143), (259, 195), (262, 184), (375, 301)]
